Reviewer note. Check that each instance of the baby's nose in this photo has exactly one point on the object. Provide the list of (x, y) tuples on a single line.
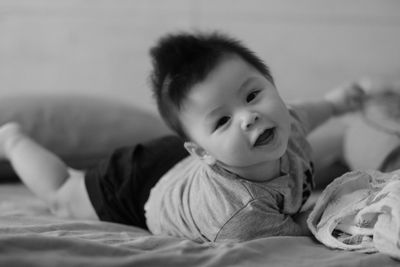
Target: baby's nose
[(249, 119)]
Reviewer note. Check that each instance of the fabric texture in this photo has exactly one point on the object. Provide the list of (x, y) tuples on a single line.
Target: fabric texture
[(360, 211), (204, 204), (119, 186), (31, 236)]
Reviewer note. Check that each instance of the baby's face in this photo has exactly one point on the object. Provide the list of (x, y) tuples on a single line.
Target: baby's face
[(237, 116)]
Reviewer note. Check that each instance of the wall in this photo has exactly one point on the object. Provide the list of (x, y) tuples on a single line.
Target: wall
[(101, 46)]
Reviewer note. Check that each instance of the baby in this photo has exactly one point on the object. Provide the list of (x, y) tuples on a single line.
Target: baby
[(249, 171), (250, 167)]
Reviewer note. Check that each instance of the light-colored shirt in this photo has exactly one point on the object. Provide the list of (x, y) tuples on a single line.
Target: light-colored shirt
[(202, 203)]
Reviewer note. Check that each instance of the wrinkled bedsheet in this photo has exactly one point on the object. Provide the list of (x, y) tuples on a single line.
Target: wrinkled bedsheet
[(31, 236)]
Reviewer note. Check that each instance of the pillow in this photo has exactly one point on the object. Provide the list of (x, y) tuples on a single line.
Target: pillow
[(81, 130), (372, 139)]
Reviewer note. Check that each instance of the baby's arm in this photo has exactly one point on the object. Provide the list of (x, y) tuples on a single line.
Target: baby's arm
[(62, 188), (337, 102), (262, 217), (301, 220)]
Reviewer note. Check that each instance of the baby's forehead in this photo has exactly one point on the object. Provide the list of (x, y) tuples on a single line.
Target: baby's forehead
[(227, 80)]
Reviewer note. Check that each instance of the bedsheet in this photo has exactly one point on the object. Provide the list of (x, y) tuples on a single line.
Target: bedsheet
[(31, 236)]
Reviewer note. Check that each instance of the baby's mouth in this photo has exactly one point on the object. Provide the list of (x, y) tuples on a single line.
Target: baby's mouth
[(265, 137)]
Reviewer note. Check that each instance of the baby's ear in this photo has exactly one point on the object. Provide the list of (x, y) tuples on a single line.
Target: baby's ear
[(200, 153)]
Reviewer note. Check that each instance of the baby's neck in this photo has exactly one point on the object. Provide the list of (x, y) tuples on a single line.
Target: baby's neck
[(257, 173)]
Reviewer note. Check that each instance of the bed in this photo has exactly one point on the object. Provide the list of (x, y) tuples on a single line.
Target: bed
[(83, 130)]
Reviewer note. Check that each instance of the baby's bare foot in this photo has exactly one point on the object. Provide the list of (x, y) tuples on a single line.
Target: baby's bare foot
[(9, 132)]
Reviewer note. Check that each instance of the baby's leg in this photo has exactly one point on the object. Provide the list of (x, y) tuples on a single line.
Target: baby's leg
[(42, 171), (62, 188)]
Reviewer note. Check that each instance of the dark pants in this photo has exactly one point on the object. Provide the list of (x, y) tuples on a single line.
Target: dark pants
[(119, 186)]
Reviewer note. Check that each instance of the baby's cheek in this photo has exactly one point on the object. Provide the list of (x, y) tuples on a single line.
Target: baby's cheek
[(230, 152)]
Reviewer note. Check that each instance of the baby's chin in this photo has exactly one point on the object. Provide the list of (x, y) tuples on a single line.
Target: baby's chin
[(254, 157)]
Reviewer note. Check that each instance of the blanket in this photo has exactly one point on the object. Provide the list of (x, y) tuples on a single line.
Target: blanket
[(360, 211), (31, 236)]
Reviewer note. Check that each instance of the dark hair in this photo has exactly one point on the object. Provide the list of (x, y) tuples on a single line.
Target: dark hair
[(182, 60)]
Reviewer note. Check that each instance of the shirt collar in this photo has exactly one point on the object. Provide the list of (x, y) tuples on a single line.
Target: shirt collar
[(284, 170)]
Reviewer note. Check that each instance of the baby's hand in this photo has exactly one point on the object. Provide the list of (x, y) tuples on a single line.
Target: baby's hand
[(346, 98)]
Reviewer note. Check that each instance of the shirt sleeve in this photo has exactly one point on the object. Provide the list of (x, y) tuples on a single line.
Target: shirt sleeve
[(312, 113), (301, 120), (300, 129), (258, 219)]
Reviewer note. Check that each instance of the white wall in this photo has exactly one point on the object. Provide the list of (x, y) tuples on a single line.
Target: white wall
[(101, 46)]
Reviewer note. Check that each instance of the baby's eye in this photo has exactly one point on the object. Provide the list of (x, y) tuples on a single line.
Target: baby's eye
[(250, 97), (221, 122)]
